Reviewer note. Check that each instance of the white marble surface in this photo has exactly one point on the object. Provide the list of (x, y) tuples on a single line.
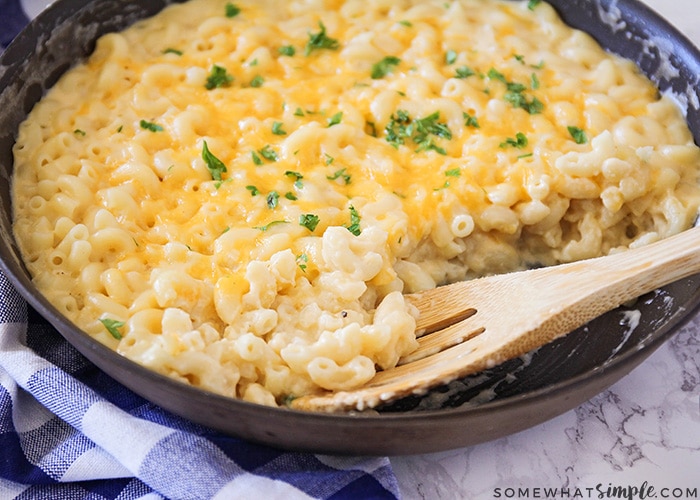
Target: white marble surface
[(645, 428)]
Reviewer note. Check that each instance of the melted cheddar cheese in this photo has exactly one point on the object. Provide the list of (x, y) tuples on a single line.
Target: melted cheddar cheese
[(238, 194)]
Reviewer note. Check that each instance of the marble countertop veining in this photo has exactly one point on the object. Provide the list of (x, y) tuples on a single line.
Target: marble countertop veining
[(643, 432)]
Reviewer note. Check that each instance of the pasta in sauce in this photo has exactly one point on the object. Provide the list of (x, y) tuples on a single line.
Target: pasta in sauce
[(238, 195)]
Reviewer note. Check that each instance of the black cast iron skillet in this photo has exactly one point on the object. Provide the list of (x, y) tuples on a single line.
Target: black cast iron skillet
[(510, 398)]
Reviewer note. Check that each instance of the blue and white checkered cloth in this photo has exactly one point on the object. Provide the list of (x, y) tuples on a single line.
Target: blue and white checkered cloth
[(68, 431)]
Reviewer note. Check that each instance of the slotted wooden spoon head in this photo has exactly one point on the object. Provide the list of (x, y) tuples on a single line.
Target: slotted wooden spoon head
[(516, 313)]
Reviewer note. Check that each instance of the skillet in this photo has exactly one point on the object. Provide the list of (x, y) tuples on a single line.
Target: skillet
[(509, 398)]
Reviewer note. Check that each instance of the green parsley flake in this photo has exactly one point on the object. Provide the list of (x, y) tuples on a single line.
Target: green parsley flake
[(268, 153), (277, 128), (218, 78), (531, 4), (287, 50), (232, 10), (408, 24), (450, 57), (170, 50), (79, 132), (519, 142), (256, 159), (299, 112), (254, 191), (257, 81), (494, 74), (518, 100), (464, 72), (453, 172), (384, 67), (309, 221), (153, 127), (302, 259), (354, 226), (470, 121), (272, 199), (340, 174), (578, 135), (296, 176), (290, 196), (216, 167), (270, 224), (320, 40), (112, 326), (335, 119)]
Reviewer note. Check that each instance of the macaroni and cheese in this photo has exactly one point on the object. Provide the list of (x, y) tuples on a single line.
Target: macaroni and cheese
[(239, 194)]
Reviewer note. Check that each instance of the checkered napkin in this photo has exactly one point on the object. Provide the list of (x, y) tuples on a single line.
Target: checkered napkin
[(68, 431)]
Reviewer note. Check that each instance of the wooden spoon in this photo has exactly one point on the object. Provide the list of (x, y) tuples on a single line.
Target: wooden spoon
[(508, 315)]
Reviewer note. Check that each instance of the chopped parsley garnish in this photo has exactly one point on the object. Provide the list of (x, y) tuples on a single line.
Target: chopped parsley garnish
[(216, 167), (329, 159), (320, 40), (309, 221), (340, 174), (277, 128), (257, 81), (518, 100), (520, 141), (515, 93), (494, 74), (335, 119), (272, 199), (453, 172), (408, 24), (578, 135), (302, 259), (534, 82), (450, 57), (112, 326), (268, 153), (153, 127), (470, 121), (218, 78), (296, 176), (384, 67), (402, 127), (354, 226), (232, 10), (464, 72), (430, 125), (287, 50), (170, 50), (254, 191), (256, 159), (270, 224), (79, 132), (290, 196), (531, 4), (299, 112)]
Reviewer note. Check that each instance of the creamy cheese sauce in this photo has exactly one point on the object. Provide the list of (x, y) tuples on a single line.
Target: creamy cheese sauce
[(239, 194)]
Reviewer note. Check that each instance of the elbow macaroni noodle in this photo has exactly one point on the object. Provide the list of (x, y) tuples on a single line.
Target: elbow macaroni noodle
[(238, 195)]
